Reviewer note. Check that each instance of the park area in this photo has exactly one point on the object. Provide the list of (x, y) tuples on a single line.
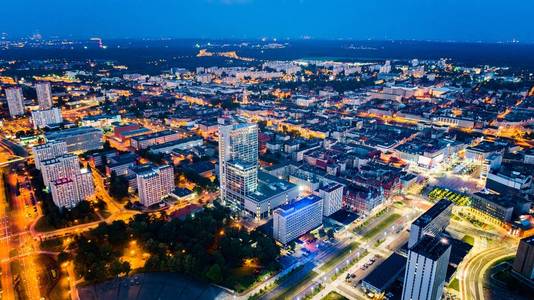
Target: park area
[(457, 198)]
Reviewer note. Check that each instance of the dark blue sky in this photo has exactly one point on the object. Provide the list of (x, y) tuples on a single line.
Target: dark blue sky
[(460, 20)]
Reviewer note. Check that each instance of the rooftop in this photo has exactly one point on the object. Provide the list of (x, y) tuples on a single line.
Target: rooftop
[(295, 206), (55, 135), (387, 272), (431, 247), (269, 186), (432, 212), (154, 135)]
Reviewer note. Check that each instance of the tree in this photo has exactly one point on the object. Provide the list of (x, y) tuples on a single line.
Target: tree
[(63, 257), (118, 186), (214, 273), (322, 232), (330, 233)]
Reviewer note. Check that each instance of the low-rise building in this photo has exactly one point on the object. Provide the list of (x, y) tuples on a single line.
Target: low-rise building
[(78, 139)]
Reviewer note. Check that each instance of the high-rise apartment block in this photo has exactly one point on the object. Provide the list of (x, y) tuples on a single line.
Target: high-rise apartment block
[(154, 183), (49, 150), (69, 191), (43, 118), (65, 166), (426, 269), (44, 95), (15, 101)]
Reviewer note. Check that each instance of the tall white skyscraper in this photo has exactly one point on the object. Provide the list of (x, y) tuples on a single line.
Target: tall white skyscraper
[(44, 95), (155, 183), (48, 150), (15, 101), (238, 162), (43, 118), (426, 269)]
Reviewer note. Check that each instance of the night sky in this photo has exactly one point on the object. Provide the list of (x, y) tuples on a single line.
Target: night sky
[(444, 20)]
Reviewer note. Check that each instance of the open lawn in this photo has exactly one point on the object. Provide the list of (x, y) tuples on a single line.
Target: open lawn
[(455, 284), (288, 293), (43, 226), (334, 296), (381, 226), (469, 239), (52, 245), (244, 277)]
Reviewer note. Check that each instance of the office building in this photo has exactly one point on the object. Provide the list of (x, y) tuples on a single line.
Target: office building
[(332, 195), (154, 183), (504, 207), (48, 150), (15, 101), (69, 191), (44, 95), (432, 222), (78, 139), (43, 118), (426, 269), (238, 162), (295, 219), (524, 259), (65, 166)]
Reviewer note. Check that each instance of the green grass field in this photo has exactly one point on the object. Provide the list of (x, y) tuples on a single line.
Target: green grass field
[(381, 226), (288, 293), (334, 296)]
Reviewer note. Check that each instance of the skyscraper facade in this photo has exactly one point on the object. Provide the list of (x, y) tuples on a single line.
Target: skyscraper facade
[(426, 269), (69, 191), (154, 183), (432, 222), (65, 166), (238, 162), (48, 150), (15, 101), (44, 95)]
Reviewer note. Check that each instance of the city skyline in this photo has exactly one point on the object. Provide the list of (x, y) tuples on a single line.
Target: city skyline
[(266, 150), (475, 21)]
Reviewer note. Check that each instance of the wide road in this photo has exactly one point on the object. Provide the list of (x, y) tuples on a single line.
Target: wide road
[(7, 284), (472, 272)]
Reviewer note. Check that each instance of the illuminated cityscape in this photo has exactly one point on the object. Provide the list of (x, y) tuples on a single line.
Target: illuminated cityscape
[(301, 150)]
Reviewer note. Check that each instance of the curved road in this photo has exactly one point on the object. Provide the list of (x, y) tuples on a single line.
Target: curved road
[(472, 275)]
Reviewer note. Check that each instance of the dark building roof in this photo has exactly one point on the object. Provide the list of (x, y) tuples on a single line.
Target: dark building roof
[(384, 275), (431, 247)]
